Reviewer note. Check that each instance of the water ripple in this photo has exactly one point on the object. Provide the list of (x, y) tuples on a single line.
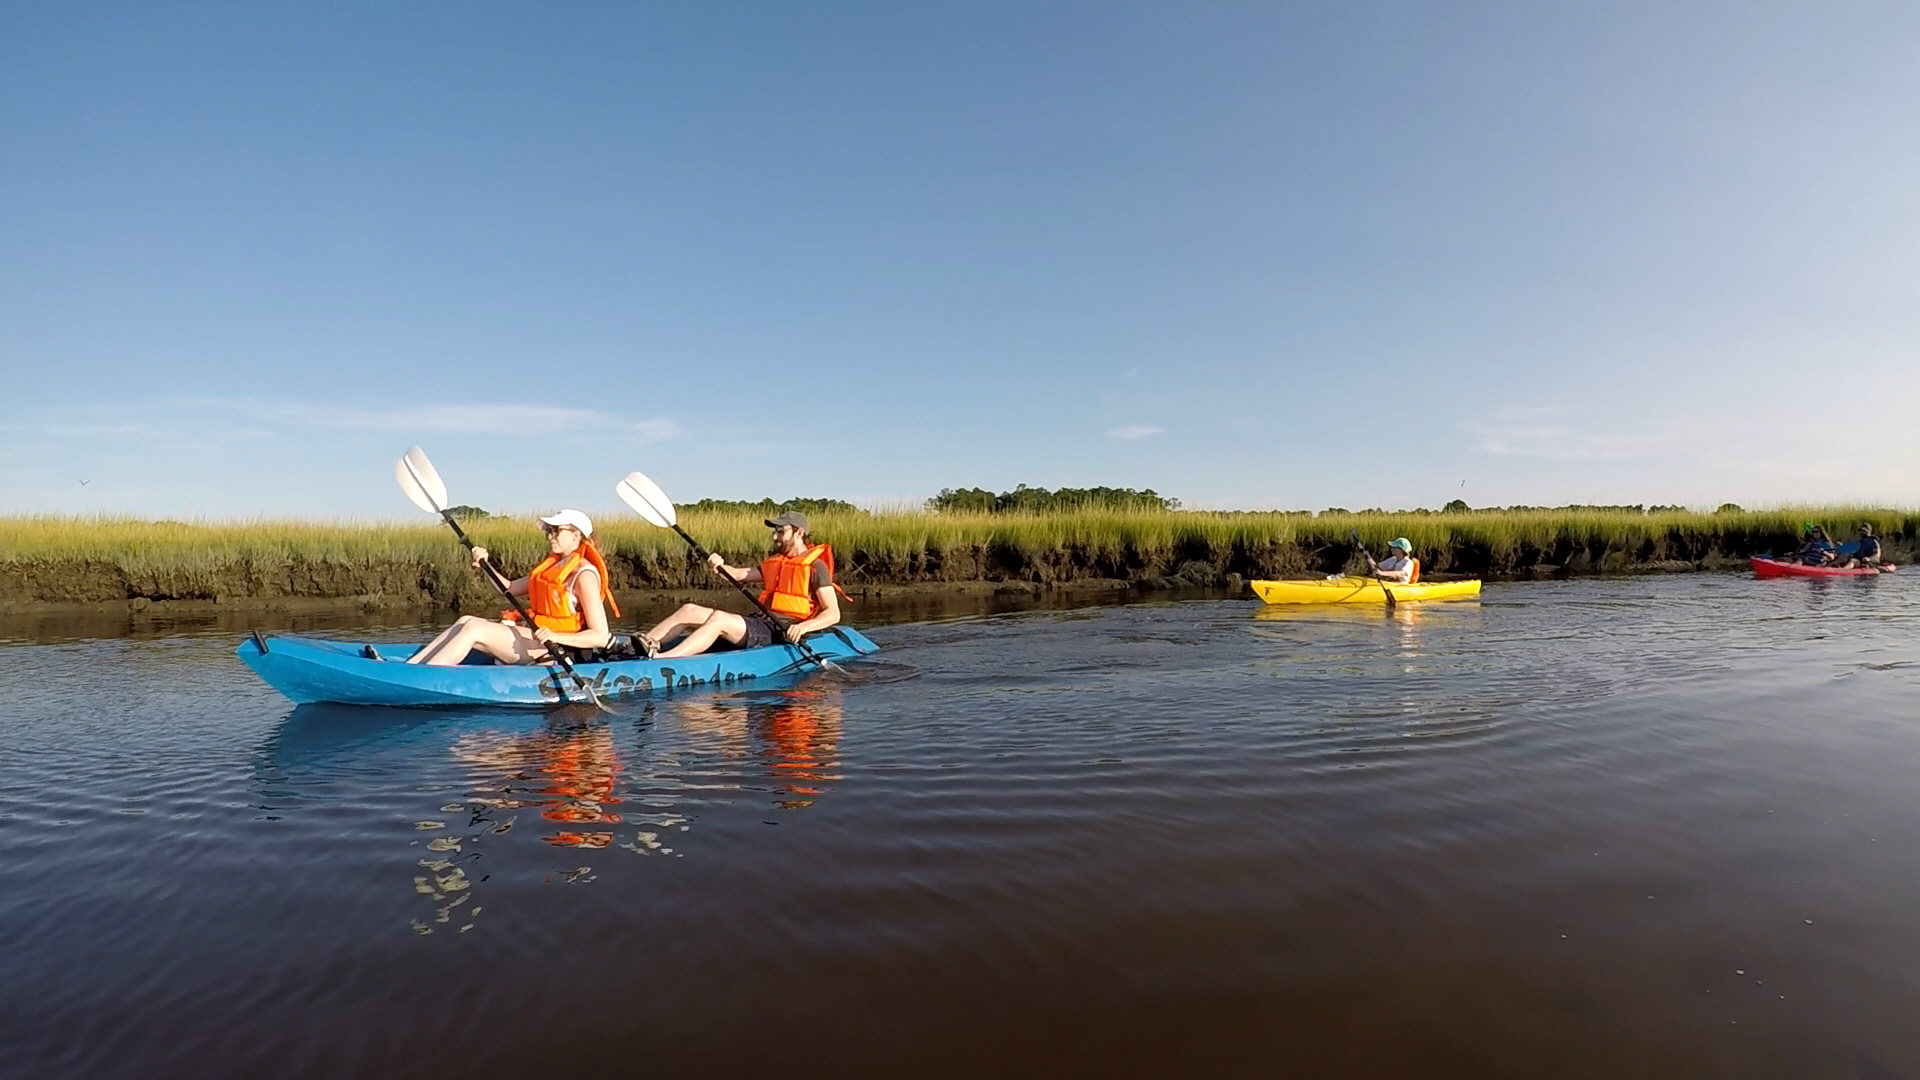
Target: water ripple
[(1534, 835)]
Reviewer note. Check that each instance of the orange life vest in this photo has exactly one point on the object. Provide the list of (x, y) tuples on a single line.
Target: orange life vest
[(1413, 570), (785, 578), (550, 590)]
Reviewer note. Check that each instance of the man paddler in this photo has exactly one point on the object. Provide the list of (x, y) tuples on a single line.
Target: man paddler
[(797, 588), (1867, 555)]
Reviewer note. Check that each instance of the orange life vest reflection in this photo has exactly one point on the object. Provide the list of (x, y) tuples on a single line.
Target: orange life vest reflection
[(795, 733), (799, 731), (569, 775)]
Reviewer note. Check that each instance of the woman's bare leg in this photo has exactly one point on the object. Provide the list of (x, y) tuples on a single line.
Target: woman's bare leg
[(507, 644), (433, 648)]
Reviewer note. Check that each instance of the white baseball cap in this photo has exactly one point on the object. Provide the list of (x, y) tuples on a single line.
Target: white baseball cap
[(570, 517)]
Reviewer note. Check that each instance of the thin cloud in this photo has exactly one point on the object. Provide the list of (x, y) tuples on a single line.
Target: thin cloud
[(659, 429), (1562, 443), (200, 419), (59, 428), (1136, 431), (505, 419)]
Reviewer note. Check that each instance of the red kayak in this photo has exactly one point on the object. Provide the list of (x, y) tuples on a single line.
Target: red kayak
[(1775, 568)]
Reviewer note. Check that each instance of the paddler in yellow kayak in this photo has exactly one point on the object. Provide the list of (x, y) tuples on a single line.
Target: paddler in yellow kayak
[(1401, 567)]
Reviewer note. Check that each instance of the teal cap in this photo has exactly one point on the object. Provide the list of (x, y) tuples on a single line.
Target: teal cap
[(1401, 543)]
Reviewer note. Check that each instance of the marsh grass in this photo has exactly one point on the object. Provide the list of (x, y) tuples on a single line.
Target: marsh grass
[(269, 557)]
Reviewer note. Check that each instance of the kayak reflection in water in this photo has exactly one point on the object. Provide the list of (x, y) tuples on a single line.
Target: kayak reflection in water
[(798, 588), (567, 594)]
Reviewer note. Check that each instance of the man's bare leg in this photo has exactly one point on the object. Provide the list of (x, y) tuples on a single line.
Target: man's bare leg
[(682, 620), (718, 625)]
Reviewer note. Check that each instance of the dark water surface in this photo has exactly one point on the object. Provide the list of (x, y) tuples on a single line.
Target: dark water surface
[(1604, 828)]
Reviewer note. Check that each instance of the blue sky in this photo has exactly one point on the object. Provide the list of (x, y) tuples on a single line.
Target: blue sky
[(1248, 255)]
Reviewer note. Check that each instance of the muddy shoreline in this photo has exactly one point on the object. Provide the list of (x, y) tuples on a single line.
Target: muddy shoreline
[(49, 622), (62, 584), (631, 601), (290, 568), (283, 589), (413, 605)]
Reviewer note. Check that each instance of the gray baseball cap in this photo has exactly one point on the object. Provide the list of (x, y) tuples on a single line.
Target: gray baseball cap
[(790, 517)]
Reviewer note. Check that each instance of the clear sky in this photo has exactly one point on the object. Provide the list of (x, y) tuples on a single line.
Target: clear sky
[(1250, 255)]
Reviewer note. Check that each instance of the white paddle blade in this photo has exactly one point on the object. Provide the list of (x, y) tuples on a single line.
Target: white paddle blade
[(647, 499), (420, 482)]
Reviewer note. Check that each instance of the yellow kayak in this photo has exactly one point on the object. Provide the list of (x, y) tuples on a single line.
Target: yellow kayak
[(1358, 590)]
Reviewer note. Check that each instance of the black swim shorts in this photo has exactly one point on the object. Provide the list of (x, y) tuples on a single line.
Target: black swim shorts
[(760, 631)]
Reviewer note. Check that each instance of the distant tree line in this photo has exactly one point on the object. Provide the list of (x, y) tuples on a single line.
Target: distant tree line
[(769, 507), (1024, 499), (1459, 506)]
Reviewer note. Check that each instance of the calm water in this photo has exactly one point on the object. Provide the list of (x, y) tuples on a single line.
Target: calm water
[(1641, 827)]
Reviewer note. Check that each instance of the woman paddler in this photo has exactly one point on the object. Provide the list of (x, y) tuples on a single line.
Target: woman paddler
[(567, 594)]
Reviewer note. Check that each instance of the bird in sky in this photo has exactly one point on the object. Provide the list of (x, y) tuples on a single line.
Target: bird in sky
[(84, 483)]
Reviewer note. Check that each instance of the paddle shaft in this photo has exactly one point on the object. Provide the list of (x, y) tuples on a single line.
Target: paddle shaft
[(706, 555), (1376, 567), (526, 617)]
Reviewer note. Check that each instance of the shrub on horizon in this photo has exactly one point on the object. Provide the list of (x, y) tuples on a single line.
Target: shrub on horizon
[(974, 500)]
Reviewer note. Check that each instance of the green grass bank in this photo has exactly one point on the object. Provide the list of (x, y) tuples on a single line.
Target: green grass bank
[(70, 560)]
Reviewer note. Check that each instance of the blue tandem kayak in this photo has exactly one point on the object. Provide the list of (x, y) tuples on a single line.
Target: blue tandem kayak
[(312, 670)]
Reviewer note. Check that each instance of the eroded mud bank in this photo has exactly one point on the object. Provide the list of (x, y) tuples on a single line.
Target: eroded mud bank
[(299, 583)]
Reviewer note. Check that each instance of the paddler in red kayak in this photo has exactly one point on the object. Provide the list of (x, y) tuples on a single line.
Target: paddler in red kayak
[(1868, 555), (798, 588), (1818, 550), (567, 594)]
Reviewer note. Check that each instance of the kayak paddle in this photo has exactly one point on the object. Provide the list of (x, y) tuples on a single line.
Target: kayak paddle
[(647, 500), (422, 484), (1355, 533)]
